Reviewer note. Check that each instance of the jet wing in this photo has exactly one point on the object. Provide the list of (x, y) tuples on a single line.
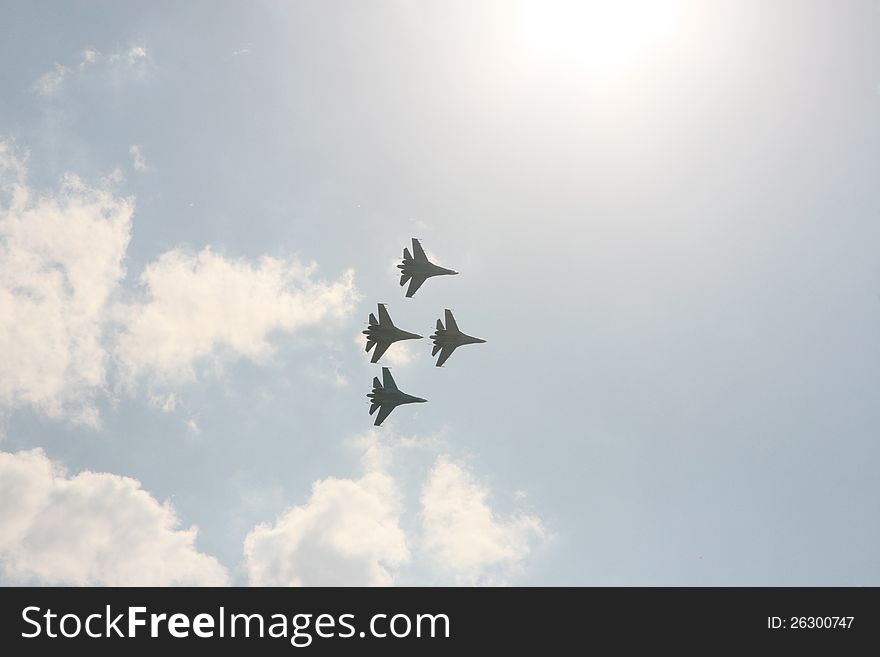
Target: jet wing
[(384, 317), (414, 284), (387, 380), (450, 321), (381, 348), (418, 251), (445, 353), (384, 411)]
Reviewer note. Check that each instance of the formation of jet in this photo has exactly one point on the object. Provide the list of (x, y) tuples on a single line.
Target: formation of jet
[(446, 340), (416, 268), (383, 333), (386, 396)]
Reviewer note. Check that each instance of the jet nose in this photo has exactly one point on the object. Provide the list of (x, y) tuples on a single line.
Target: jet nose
[(420, 400), (480, 340)]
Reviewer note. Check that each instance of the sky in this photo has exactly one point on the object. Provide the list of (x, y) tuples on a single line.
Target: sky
[(666, 217)]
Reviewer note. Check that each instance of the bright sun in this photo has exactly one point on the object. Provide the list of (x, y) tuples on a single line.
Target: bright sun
[(603, 37)]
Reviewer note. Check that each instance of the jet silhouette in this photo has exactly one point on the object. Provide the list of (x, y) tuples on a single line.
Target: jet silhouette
[(418, 269), (383, 333), (446, 340), (388, 397)]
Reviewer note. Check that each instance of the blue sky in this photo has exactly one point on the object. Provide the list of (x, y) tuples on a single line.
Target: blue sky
[(665, 216)]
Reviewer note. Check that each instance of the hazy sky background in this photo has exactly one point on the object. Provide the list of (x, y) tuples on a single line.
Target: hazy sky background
[(667, 221)]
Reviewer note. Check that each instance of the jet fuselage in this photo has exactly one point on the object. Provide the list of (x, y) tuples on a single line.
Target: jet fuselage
[(393, 397), (445, 338), (426, 269), (378, 333)]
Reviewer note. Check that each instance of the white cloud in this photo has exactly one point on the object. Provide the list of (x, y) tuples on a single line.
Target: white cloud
[(113, 178), (51, 81), (346, 534), (165, 403), (63, 332), (131, 60), (12, 167), (415, 442), (198, 305), (61, 259), (137, 158), (351, 531), (464, 535), (89, 56), (94, 529), (400, 353), (135, 53), (328, 371)]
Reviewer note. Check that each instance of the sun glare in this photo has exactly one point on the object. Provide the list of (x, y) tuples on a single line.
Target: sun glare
[(603, 37)]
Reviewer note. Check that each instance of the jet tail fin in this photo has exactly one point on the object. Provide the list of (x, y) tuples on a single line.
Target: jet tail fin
[(450, 321), (439, 325), (436, 348), (373, 407), (370, 345), (406, 254), (373, 319), (419, 251), (403, 279), (388, 380), (384, 317), (376, 383)]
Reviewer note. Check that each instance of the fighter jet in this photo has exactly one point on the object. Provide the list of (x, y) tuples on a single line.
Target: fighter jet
[(418, 269), (446, 340), (388, 397), (383, 333)]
